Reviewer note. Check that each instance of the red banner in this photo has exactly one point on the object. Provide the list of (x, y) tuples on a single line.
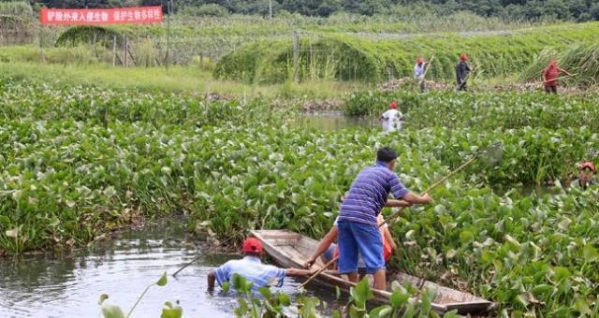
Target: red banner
[(101, 16)]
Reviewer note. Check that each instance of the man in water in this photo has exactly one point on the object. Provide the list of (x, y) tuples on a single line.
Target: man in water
[(587, 171), (357, 225), (253, 270), (392, 118)]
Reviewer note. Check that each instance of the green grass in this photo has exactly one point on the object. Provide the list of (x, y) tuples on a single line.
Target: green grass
[(372, 58), (177, 79)]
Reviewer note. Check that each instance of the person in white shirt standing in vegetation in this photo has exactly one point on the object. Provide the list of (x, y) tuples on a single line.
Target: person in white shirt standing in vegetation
[(392, 118), (419, 70)]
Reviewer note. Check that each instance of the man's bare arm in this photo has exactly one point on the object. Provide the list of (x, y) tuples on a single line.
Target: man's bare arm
[(397, 203), (211, 280), (296, 272), (415, 198), (324, 244)]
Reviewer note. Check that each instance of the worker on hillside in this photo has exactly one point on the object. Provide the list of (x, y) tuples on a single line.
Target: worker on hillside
[(587, 171), (392, 118), (253, 270), (550, 75), (419, 70), (357, 225), (462, 70)]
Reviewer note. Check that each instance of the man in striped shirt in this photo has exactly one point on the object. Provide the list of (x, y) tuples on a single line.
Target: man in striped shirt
[(357, 225), (253, 270)]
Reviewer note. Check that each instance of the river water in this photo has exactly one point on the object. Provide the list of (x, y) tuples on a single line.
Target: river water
[(70, 284), (328, 121)]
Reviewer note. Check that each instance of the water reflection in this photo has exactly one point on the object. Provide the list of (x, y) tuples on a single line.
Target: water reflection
[(333, 121), (69, 284)]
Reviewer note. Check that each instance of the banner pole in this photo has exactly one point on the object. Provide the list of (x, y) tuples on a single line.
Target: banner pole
[(168, 33)]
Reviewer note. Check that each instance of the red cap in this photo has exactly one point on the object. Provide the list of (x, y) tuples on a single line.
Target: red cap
[(420, 60), (587, 164), (552, 63), (393, 105), (464, 57), (252, 245)]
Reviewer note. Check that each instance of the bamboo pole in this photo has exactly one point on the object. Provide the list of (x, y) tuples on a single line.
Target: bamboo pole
[(396, 214)]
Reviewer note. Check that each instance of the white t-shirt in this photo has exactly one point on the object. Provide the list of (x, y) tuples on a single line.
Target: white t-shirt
[(419, 71), (391, 120)]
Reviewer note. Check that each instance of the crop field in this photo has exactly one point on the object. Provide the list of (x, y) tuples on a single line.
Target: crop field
[(79, 161)]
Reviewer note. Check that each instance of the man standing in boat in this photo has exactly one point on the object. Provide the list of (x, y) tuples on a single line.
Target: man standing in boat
[(327, 249), (357, 225), (253, 270)]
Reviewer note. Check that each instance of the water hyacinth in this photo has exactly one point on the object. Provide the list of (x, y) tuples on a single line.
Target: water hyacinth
[(68, 177)]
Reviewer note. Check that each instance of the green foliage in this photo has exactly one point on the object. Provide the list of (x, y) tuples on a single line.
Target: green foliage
[(168, 311), (346, 57), (19, 9), (207, 10), (267, 304), (86, 34), (506, 9), (579, 60), (79, 161)]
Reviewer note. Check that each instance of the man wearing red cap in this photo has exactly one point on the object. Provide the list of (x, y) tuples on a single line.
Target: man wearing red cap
[(550, 75), (253, 270), (419, 70), (392, 118), (462, 70), (587, 170)]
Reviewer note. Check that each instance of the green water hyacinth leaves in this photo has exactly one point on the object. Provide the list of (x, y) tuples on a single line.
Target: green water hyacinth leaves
[(67, 177), (168, 311), (361, 293), (171, 311), (110, 311)]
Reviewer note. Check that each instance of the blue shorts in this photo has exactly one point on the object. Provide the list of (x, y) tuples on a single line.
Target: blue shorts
[(359, 239)]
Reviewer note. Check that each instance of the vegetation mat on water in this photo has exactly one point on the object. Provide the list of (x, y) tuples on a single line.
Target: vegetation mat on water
[(68, 176)]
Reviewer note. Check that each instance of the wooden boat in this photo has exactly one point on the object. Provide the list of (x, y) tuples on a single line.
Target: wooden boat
[(290, 249)]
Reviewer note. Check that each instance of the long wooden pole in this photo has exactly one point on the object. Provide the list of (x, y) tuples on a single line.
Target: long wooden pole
[(428, 65), (396, 214), (223, 243)]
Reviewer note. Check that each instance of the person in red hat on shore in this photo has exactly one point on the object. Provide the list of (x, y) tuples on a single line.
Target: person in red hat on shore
[(392, 118), (419, 70), (252, 268), (550, 75), (587, 171), (462, 70)]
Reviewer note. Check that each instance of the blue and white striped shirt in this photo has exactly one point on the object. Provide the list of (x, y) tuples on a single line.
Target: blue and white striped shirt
[(369, 192), (253, 270)]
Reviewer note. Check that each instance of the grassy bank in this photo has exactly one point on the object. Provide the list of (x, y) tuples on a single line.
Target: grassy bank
[(374, 58), (175, 79)]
